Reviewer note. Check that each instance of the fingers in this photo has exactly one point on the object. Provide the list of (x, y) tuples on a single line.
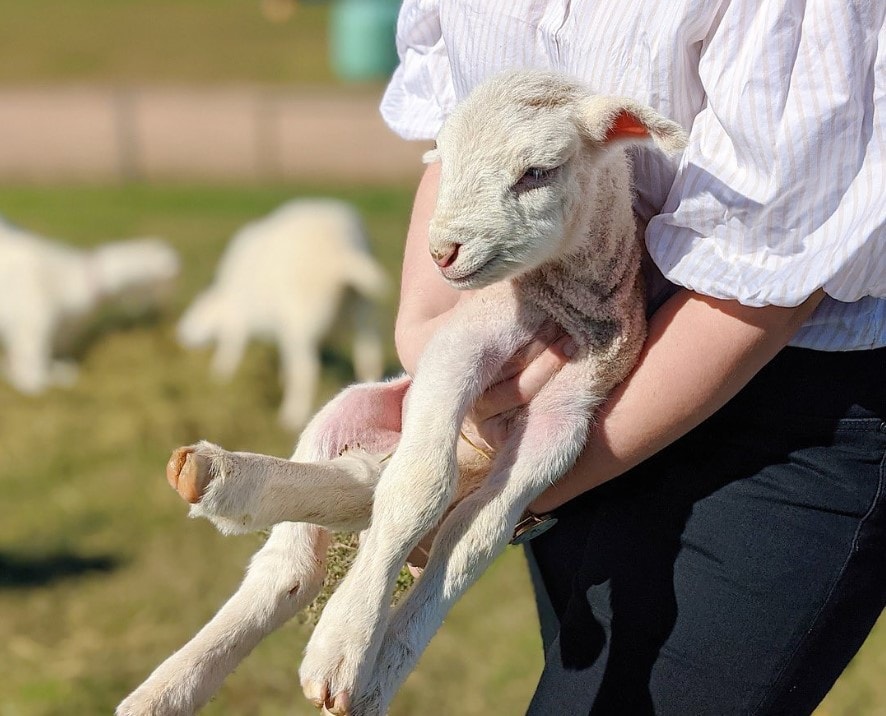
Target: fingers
[(547, 334), (525, 385)]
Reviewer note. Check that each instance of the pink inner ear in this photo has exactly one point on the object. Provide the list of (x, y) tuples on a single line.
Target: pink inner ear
[(626, 126)]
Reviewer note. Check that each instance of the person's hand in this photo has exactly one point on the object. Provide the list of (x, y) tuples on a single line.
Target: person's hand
[(520, 381)]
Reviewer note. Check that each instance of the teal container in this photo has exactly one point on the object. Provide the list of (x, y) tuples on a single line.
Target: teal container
[(361, 39)]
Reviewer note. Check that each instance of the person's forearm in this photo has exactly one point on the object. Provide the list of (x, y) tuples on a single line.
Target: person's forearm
[(700, 352), (425, 298)]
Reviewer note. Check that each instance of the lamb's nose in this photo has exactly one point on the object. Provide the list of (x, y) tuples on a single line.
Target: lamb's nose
[(445, 255)]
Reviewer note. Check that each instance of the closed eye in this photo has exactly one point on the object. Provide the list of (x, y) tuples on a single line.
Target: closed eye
[(533, 178)]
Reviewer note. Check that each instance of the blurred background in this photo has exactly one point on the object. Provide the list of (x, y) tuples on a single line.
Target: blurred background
[(184, 120)]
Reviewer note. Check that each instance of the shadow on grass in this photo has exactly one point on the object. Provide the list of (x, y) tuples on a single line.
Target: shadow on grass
[(77, 339), (23, 572)]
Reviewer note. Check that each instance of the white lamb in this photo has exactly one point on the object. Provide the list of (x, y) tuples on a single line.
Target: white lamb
[(534, 211), (283, 278), (46, 285)]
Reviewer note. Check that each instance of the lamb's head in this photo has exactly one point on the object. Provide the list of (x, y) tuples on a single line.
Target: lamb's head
[(521, 157)]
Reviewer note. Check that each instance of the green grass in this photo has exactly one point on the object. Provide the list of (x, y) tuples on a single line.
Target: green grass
[(159, 41), (102, 575)]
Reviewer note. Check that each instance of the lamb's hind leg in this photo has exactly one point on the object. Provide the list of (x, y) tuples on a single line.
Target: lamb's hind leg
[(283, 577), (244, 492), (29, 351)]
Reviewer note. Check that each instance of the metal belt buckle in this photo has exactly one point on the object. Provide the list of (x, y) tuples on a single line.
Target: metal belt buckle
[(531, 526)]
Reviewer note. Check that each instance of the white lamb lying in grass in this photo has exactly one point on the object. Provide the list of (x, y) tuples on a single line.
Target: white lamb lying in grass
[(45, 285), (534, 211), (283, 278)]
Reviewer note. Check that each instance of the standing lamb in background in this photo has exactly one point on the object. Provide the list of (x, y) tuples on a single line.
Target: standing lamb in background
[(283, 278), (45, 285), (534, 213)]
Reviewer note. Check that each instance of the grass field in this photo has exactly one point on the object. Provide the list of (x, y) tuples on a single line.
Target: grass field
[(161, 41), (102, 575)]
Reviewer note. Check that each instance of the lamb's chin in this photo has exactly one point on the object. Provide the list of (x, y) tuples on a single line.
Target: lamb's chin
[(486, 274)]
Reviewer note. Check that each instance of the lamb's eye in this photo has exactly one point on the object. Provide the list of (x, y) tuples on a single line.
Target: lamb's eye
[(533, 178)]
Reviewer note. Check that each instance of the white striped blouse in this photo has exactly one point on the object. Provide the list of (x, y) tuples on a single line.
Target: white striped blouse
[(781, 189)]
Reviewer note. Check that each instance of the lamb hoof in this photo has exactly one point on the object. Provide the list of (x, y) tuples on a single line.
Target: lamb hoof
[(188, 473)]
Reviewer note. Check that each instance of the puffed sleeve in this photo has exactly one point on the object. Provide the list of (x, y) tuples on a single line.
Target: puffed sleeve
[(420, 93), (781, 189)]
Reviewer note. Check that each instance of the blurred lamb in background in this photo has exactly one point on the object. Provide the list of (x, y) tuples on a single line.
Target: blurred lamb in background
[(283, 278), (47, 286)]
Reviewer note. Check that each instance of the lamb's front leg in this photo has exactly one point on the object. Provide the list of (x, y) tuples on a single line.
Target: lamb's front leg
[(244, 492), (414, 491), (476, 531), (283, 578), (411, 496), (29, 347)]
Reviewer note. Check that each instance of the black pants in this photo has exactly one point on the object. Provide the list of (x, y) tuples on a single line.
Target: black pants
[(736, 572)]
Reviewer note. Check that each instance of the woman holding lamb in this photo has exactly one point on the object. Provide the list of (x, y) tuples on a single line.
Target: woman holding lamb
[(721, 544)]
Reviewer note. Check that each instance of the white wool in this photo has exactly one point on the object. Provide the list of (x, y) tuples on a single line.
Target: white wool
[(282, 279), (45, 285), (557, 245)]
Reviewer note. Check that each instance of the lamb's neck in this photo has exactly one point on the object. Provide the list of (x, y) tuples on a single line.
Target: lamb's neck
[(589, 291)]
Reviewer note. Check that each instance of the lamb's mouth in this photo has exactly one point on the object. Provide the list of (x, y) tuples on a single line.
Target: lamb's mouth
[(475, 277)]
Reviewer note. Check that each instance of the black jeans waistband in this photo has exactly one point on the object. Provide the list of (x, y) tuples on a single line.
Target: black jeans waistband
[(819, 385)]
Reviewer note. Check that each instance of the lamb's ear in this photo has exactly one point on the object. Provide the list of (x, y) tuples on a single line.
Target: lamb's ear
[(619, 120), (430, 156)]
